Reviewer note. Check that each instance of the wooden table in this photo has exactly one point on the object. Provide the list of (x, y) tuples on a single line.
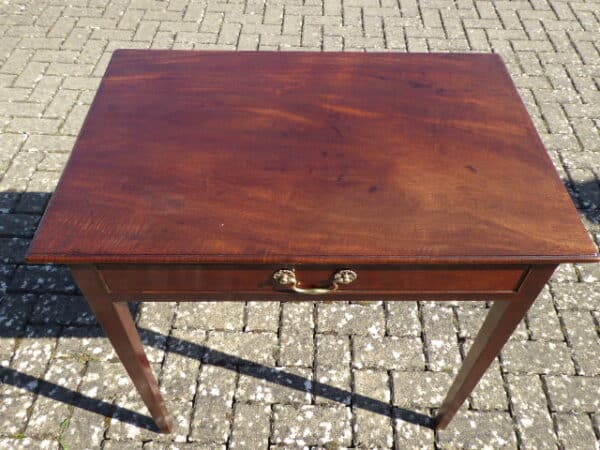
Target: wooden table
[(285, 176)]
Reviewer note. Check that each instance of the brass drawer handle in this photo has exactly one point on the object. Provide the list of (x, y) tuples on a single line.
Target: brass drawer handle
[(287, 277)]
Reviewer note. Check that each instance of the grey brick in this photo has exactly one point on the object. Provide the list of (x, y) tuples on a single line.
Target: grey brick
[(31, 357), (531, 413), (352, 319), (211, 423), (440, 337), (575, 431), (14, 413), (62, 309), (489, 394), (48, 415), (281, 385), (37, 125), (84, 343), (296, 335), (420, 389), (573, 393), (251, 426), (543, 321), (577, 296), (583, 336), (537, 357), (388, 353), (403, 319), (410, 433), (258, 348), (12, 250), (18, 225), (311, 425), (51, 60), (373, 429), (211, 315), (178, 377), (46, 278), (474, 430)]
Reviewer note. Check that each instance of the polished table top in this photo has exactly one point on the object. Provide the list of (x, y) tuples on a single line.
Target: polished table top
[(203, 157)]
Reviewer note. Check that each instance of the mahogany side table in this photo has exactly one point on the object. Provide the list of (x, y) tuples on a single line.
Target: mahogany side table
[(295, 176)]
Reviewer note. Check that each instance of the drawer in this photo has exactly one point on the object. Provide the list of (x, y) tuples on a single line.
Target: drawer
[(258, 279)]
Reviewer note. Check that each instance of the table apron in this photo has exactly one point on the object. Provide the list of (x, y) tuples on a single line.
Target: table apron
[(186, 282)]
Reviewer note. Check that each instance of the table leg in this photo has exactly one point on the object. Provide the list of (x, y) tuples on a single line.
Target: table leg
[(120, 329), (501, 321)]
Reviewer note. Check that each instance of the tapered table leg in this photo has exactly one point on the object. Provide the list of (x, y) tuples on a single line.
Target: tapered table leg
[(120, 329), (501, 321)]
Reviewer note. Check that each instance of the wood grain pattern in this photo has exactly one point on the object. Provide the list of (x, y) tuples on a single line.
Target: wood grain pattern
[(207, 157), (372, 280)]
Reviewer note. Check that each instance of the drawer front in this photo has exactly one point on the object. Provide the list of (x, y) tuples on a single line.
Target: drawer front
[(371, 279)]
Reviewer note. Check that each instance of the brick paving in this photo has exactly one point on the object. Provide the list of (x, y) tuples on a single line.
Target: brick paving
[(261, 375)]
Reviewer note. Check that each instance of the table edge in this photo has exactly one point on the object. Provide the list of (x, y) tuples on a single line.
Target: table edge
[(45, 258)]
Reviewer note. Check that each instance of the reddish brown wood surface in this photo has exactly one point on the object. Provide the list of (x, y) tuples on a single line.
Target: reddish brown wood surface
[(372, 280), (308, 158)]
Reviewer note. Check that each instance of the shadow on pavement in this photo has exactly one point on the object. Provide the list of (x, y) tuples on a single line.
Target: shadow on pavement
[(28, 291)]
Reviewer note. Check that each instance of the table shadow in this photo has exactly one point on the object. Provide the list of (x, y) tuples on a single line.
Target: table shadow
[(206, 355), (23, 288)]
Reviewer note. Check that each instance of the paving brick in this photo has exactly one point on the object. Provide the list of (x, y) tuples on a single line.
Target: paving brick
[(296, 334), (575, 431), (105, 380), (474, 430), (351, 319), (27, 443), (10, 144), (589, 273), (47, 278), (18, 225), (14, 415), (243, 348), (531, 413), (30, 74), (211, 422), (582, 333), (573, 393), (333, 351), (6, 273), (411, 433), (51, 59), (372, 426), (33, 352), (178, 377), (333, 385), (211, 315), (48, 416), (537, 357), (311, 425), (490, 394), (420, 389), (251, 426), (37, 125), (32, 202), (12, 250), (440, 337), (281, 385), (543, 321), (62, 309), (388, 353), (262, 316), (577, 296)]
